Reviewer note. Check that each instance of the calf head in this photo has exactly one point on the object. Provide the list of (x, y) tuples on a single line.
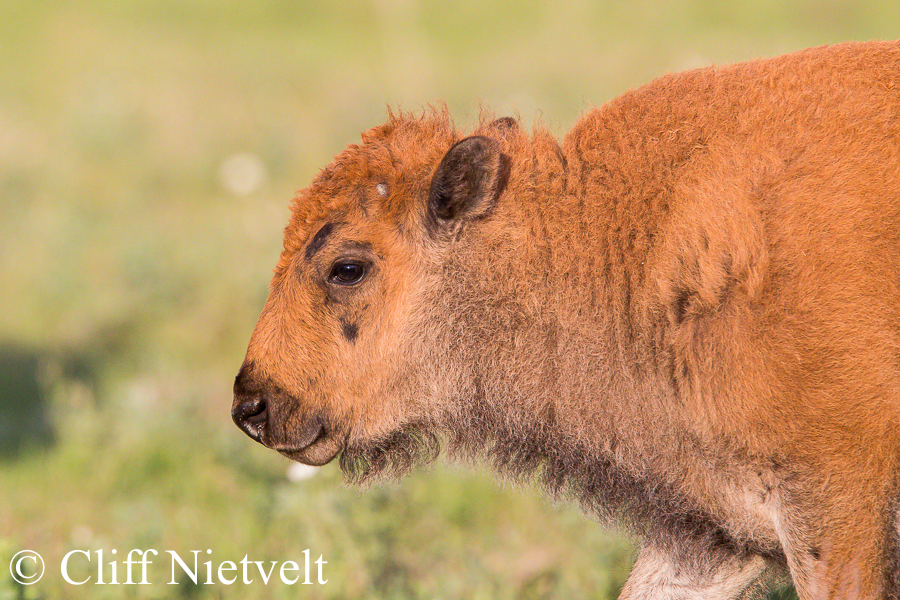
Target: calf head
[(347, 356)]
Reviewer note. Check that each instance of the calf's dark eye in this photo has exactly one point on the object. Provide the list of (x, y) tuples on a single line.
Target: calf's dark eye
[(347, 273)]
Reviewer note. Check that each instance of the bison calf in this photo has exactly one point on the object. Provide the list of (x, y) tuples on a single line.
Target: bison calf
[(686, 315)]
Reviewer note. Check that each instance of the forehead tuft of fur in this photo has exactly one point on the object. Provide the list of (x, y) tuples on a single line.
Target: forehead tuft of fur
[(403, 150)]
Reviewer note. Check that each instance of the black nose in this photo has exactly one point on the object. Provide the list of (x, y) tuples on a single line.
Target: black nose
[(250, 415), (249, 411)]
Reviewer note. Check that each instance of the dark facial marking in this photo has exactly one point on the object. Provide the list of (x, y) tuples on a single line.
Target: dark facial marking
[(350, 330), (319, 240)]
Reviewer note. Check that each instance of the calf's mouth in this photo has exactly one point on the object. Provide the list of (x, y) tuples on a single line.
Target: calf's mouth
[(312, 446), (253, 411)]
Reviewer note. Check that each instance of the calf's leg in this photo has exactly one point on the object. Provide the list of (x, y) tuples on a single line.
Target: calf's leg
[(695, 572)]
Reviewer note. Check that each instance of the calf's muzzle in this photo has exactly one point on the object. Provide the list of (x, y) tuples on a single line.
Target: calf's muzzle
[(249, 411), (269, 415)]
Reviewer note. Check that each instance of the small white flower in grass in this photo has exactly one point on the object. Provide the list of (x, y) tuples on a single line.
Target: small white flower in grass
[(299, 472), (242, 174)]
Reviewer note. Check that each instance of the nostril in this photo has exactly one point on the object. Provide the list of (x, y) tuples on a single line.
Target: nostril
[(250, 416)]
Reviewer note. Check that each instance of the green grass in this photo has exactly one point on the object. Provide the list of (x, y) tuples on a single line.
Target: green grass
[(177, 481), (132, 278)]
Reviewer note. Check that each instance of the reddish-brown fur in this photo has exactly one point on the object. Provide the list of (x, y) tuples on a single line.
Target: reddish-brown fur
[(687, 316)]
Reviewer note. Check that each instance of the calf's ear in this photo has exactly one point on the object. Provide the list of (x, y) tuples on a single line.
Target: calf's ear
[(467, 182)]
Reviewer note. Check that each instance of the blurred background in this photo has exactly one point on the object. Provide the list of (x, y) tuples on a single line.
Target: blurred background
[(149, 150)]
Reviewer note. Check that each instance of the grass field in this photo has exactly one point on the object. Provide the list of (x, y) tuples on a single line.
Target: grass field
[(148, 153)]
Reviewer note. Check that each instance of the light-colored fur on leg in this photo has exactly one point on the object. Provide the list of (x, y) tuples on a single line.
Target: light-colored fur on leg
[(718, 575)]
